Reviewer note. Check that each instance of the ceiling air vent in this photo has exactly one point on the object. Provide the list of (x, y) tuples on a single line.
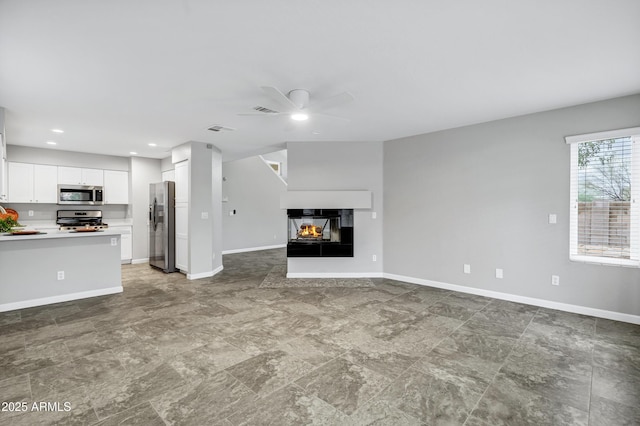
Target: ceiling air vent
[(219, 128), (265, 110)]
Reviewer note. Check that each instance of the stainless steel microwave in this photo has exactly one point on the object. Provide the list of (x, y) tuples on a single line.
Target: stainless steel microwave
[(80, 194)]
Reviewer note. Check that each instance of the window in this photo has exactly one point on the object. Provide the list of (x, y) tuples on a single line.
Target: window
[(275, 165), (605, 188)]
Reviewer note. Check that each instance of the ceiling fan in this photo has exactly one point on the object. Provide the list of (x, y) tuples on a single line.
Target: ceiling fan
[(296, 104)]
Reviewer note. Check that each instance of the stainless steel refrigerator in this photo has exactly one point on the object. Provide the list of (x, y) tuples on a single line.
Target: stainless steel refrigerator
[(162, 226)]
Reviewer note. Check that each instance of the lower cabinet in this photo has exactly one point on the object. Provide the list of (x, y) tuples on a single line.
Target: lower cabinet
[(126, 243), (182, 237)]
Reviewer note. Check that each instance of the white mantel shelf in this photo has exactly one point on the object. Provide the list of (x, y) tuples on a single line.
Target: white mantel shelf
[(326, 200)]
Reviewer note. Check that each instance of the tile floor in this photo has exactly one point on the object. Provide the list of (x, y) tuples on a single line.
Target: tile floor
[(222, 351)]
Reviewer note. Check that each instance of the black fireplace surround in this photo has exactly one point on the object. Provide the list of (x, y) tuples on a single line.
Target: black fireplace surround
[(320, 233)]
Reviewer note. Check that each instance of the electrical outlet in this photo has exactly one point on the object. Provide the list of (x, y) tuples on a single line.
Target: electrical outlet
[(30, 213), (114, 241), (499, 273), (553, 218), (467, 268), (555, 280), (60, 275), (373, 215), (204, 215), (374, 258)]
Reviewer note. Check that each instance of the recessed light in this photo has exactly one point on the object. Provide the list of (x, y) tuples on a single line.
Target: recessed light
[(299, 116), (153, 144), (57, 130), (51, 143), (133, 153)]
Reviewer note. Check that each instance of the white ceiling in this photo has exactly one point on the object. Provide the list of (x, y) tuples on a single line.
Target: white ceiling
[(119, 74)]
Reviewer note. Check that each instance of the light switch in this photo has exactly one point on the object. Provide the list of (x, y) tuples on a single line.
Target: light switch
[(204, 215), (467, 268), (373, 215), (553, 218), (499, 273)]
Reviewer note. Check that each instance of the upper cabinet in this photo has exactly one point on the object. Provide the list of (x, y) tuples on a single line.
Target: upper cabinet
[(32, 183), (78, 176), (116, 187), (182, 181), (38, 183), (3, 158), (3, 168)]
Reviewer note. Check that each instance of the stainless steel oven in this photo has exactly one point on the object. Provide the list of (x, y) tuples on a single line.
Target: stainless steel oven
[(80, 194)]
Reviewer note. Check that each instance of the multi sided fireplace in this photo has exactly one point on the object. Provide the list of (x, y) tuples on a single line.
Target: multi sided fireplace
[(320, 233)]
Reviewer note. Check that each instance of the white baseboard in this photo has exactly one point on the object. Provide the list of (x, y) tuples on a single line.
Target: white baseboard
[(205, 274), (576, 309), (334, 274), (57, 299), (244, 250), (137, 261)]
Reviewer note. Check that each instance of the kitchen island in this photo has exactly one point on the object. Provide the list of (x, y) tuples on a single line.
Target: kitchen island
[(58, 266)]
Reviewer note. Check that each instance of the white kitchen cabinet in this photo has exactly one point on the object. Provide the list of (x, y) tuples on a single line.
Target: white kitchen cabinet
[(45, 187), (32, 183), (3, 168), (182, 215), (182, 182), (116, 187), (169, 175), (79, 176), (20, 182), (182, 237), (126, 243)]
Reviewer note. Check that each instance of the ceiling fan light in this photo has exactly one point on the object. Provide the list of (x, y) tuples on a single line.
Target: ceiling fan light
[(299, 116)]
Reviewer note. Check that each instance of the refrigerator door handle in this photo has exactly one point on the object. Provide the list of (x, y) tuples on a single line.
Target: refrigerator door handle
[(155, 214)]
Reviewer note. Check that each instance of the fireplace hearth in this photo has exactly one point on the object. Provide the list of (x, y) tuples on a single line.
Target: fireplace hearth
[(320, 233)]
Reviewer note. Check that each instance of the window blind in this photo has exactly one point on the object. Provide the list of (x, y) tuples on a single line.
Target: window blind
[(605, 184)]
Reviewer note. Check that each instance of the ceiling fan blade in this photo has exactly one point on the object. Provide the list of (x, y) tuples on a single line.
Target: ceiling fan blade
[(335, 117), (261, 114), (333, 101), (279, 98)]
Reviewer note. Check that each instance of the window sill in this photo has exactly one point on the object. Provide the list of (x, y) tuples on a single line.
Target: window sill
[(605, 261)]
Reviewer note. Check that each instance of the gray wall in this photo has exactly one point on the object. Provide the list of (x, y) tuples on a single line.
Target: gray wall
[(166, 164), (342, 166), (55, 157), (216, 208), (143, 172), (481, 195), (253, 191)]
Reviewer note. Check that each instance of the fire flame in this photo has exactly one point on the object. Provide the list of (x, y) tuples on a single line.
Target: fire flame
[(307, 230)]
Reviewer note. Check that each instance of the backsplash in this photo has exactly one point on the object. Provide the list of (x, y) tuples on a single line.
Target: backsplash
[(47, 212)]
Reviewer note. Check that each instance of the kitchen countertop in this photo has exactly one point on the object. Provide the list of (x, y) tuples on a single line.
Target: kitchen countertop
[(57, 234)]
